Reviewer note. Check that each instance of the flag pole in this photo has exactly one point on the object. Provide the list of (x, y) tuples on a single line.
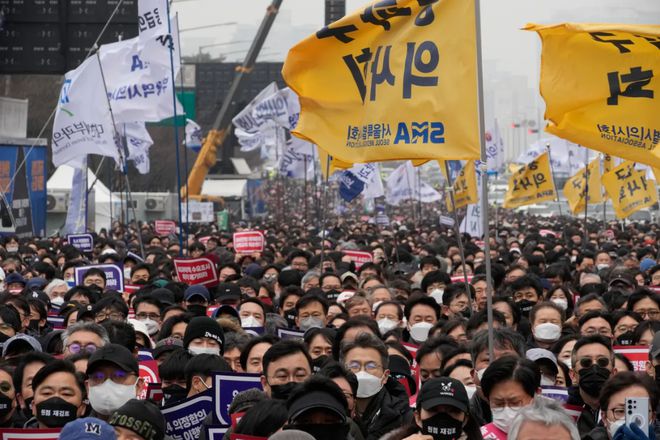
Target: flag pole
[(122, 156), (484, 181), (554, 180), (457, 232), (185, 149), (176, 128), (586, 195)]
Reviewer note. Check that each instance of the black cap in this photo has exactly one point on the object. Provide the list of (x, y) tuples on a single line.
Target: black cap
[(226, 309), (316, 400), (400, 368), (203, 327), (227, 292), (114, 354), (290, 277), (163, 295), (142, 417), (166, 345), (443, 391)]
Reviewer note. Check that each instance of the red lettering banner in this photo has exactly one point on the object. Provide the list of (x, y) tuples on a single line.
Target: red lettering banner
[(164, 227), (196, 271), (638, 355), (248, 242), (359, 258)]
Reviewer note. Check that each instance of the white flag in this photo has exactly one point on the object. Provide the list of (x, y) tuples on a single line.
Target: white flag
[(282, 107), (246, 121), (152, 17), (194, 135), (138, 142), (139, 88), (494, 148), (566, 158), (472, 223), (295, 156), (82, 120), (402, 185)]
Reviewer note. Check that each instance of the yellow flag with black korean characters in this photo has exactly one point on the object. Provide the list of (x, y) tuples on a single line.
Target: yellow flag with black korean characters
[(530, 184), (584, 186), (396, 80), (601, 86), (464, 187), (629, 189)]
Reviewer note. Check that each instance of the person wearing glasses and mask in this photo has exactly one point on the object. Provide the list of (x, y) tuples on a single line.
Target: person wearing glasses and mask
[(613, 412), (381, 403), (509, 384), (592, 362), (285, 364), (84, 336), (113, 379)]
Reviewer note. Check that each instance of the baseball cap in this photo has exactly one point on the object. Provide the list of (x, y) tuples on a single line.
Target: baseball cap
[(226, 309), (166, 345), (114, 354), (541, 355), (20, 339), (317, 399), (443, 391), (227, 292), (621, 279), (163, 295), (142, 417), (89, 428), (140, 327), (36, 283), (646, 264), (196, 290), (14, 277)]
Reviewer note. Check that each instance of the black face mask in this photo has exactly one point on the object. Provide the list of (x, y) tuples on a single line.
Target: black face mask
[(56, 412), (3, 337), (592, 379), (173, 394), (332, 295), (282, 392), (525, 306), (332, 431), (290, 316), (34, 325), (27, 409), (626, 338), (319, 362), (466, 313), (5, 406), (442, 426), (197, 310)]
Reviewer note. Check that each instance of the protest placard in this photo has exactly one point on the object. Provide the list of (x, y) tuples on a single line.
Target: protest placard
[(359, 257), (82, 242), (226, 386), (248, 242), (164, 227), (114, 276), (184, 419), (196, 271)]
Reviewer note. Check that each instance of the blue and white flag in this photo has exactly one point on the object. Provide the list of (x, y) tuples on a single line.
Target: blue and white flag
[(139, 79), (494, 149), (152, 18), (82, 123), (404, 184), (76, 212), (360, 179), (250, 130), (295, 156), (194, 136), (138, 142)]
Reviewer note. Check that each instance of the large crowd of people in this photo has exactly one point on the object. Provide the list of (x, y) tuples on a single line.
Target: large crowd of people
[(396, 348)]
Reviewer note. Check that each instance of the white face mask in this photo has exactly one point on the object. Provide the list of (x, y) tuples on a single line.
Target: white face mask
[(602, 266), (547, 381), (152, 326), (250, 321), (614, 426), (109, 396), (12, 249), (561, 302), (503, 417), (420, 331), (569, 363), (547, 332), (471, 390), (58, 300), (204, 350), (368, 385), (386, 324), (437, 294), (480, 373)]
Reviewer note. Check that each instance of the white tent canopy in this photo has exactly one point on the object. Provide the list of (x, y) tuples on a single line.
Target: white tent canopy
[(225, 187), (62, 178)]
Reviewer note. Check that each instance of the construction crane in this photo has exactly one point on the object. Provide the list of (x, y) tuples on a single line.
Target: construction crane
[(216, 136)]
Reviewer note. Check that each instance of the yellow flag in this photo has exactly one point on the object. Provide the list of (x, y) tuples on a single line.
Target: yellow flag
[(392, 81), (532, 183), (601, 85), (335, 164), (465, 187), (629, 189), (575, 188)]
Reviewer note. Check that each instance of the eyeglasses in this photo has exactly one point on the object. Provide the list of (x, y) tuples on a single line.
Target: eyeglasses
[(143, 315), (626, 328), (5, 386), (117, 376), (588, 362), (116, 316), (597, 331), (370, 367), (75, 348), (649, 313)]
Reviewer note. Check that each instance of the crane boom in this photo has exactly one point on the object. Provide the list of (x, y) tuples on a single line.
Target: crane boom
[(218, 133)]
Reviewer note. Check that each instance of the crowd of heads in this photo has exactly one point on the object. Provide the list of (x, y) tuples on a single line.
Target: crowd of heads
[(391, 348)]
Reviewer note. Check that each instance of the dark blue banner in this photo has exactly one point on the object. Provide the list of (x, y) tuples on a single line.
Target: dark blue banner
[(350, 186), (183, 420)]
